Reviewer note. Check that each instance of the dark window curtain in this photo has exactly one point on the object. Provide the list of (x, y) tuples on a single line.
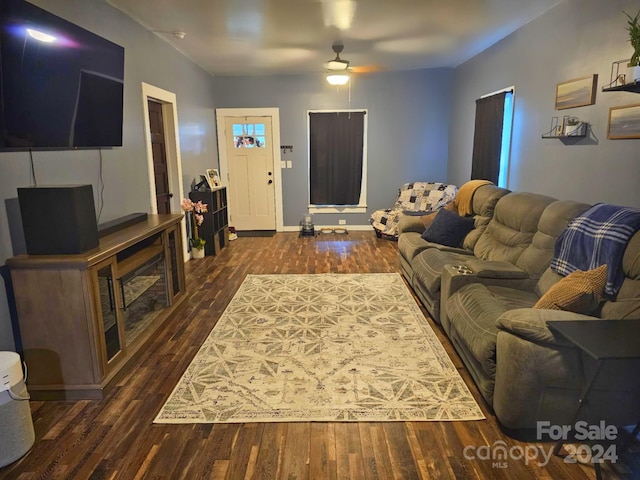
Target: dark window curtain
[(487, 138), (335, 156)]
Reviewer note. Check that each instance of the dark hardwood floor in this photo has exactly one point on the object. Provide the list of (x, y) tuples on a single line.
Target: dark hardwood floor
[(115, 437)]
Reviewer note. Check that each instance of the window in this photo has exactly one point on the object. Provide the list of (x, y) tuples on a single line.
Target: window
[(492, 137), (249, 135), (337, 161)]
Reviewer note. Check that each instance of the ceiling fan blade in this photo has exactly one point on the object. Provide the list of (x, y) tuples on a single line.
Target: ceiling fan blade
[(337, 64), (366, 69)]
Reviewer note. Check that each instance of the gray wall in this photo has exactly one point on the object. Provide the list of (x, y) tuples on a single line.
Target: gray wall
[(147, 59), (575, 39), (408, 129)]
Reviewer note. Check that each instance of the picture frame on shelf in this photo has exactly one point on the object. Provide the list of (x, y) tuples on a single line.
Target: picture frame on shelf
[(213, 177), (578, 92), (624, 122)]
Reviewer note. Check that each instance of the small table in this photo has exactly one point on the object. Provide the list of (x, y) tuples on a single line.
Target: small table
[(602, 340)]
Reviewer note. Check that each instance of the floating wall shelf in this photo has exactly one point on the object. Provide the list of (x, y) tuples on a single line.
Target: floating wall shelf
[(629, 87), (567, 130), (617, 79)]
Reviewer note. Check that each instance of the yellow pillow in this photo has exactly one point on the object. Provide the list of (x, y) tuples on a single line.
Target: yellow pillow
[(578, 292)]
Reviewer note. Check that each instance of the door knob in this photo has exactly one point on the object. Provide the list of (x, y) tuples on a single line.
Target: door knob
[(270, 182), (170, 195), (269, 173)]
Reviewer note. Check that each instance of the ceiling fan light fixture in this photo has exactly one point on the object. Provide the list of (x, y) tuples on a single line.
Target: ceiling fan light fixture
[(338, 78)]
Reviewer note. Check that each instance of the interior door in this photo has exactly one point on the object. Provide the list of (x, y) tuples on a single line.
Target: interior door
[(160, 168), (251, 180)]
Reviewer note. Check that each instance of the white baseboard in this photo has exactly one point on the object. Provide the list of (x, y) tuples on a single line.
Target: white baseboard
[(296, 228)]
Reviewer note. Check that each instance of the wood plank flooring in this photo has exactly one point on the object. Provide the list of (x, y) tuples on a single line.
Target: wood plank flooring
[(116, 439)]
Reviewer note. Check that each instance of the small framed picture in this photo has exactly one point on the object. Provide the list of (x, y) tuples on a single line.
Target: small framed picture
[(213, 177), (576, 93), (624, 122)]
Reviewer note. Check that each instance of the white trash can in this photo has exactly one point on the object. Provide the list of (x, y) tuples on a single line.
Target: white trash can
[(16, 425)]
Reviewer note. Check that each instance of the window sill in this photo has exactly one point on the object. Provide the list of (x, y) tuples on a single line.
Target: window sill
[(337, 209)]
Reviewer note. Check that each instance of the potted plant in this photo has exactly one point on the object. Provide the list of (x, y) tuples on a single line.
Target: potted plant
[(194, 216), (634, 38)]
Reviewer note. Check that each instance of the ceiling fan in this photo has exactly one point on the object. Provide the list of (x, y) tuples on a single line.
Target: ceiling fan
[(337, 64), (339, 70)]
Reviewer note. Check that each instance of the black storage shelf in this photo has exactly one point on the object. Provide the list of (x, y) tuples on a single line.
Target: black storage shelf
[(215, 227)]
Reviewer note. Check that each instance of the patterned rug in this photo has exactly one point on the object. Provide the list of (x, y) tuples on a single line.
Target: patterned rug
[(331, 347)]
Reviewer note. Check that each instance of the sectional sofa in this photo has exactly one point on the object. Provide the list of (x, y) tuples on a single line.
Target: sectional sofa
[(482, 294)]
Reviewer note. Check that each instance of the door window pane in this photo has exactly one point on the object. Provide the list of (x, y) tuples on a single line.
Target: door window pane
[(237, 129), (249, 135)]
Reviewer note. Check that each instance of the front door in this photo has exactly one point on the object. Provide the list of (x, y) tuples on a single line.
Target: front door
[(160, 170), (251, 178)]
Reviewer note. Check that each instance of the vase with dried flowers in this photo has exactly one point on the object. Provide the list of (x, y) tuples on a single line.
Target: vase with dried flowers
[(194, 216)]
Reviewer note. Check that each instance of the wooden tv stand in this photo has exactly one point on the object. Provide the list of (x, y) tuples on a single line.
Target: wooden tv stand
[(84, 317)]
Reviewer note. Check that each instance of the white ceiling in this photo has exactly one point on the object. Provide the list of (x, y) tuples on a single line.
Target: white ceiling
[(254, 37)]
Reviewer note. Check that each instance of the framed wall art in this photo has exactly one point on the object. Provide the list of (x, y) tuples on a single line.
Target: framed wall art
[(624, 122), (576, 93)]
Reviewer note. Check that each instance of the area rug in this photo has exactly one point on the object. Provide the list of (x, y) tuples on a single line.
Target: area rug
[(330, 347)]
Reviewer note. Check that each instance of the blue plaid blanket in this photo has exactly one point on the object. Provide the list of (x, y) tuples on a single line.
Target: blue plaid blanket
[(600, 235)]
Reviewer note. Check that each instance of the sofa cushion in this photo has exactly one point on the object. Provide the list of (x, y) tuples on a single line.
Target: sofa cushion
[(511, 230), (555, 218), (473, 312), (448, 228), (578, 292), (484, 203), (411, 244), (428, 264), (512, 298), (627, 304)]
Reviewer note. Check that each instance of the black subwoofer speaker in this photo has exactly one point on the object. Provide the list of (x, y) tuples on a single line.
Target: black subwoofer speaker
[(58, 220)]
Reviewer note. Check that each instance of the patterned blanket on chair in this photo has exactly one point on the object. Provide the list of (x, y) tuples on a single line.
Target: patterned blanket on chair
[(417, 198)]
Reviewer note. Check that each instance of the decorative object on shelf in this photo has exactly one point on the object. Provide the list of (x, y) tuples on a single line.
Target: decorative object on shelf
[(633, 27), (576, 93), (213, 177), (194, 216), (624, 122), (570, 127)]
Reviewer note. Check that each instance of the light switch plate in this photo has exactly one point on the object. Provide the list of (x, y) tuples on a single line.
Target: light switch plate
[(283, 164), (289, 164)]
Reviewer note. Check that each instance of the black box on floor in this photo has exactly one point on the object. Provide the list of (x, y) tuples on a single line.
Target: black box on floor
[(58, 220)]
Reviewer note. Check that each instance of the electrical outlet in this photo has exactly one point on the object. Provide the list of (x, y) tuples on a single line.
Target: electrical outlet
[(342, 222)]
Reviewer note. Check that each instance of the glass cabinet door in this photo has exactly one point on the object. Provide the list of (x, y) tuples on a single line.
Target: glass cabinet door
[(108, 318), (174, 261)]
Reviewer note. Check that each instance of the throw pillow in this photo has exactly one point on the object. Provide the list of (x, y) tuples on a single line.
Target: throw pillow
[(448, 228), (578, 292)]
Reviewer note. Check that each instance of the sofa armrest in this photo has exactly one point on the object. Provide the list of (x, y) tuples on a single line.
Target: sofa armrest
[(410, 223), (495, 269), (531, 324)]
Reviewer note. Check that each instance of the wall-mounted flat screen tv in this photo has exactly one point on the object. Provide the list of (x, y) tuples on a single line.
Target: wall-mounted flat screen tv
[(61, 86)]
